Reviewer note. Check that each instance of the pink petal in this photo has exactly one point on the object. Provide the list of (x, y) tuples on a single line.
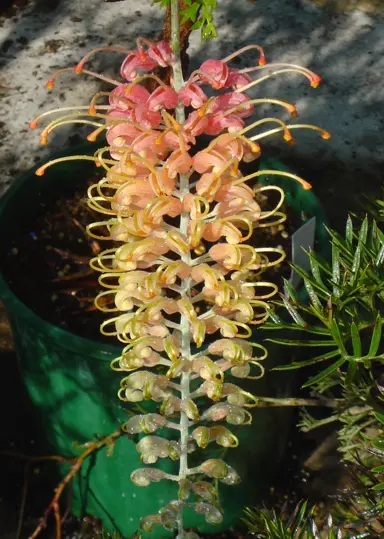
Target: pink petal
[(161, 53), (135, 94), (147, 141), (162, 181), (217, 70), (192, 95), (122, 135), (171, 207), (228, 191), (136, 61), (135, 192), (179, 162), (208, 185), (237, 80), (116, 113), (232, 99), (145, 117), (230, 146), (172, 140), (195, 124), (218, 122), (206, 160), (162, 98)]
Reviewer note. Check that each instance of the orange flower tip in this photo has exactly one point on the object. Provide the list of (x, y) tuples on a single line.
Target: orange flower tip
[(289, 138), (78, 68), (50, 84), (262, 60), (91, 137), (255, 148), (43, 140), (98, 163), (316, 80), (325, 135), (40, 171), (33, 124), (292, 110), (91, 110), (306, 186)]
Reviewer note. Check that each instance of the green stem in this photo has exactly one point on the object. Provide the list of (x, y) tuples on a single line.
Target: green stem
[(292, 401)]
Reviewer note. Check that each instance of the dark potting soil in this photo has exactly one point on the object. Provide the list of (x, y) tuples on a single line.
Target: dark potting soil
[(47, 264)]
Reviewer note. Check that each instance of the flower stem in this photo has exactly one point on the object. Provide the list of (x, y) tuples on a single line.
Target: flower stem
[(178, 80), (178, 83)]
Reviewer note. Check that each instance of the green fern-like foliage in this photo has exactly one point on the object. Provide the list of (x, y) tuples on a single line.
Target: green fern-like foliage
[(200, 13), (342, 325), (349, 521), (300, 524), (345, 298), (375, 206), (340, 330)]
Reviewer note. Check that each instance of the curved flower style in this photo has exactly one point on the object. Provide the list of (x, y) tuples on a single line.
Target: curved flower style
[(186, 271)]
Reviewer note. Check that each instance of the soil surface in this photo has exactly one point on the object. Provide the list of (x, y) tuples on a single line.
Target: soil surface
[(47, 265)]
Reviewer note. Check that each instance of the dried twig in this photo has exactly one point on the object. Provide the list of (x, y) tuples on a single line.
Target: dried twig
[(77, 462)]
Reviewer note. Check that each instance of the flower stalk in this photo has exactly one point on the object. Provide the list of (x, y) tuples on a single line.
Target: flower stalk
[(185, 272), (186, 258)]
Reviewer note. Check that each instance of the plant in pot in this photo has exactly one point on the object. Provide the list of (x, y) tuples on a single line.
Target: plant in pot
[(193, 243)]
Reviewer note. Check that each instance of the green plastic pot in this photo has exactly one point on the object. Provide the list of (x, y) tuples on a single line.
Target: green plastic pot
[(71, 385)]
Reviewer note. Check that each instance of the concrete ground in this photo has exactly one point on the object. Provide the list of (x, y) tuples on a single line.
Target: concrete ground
[(344, 44)]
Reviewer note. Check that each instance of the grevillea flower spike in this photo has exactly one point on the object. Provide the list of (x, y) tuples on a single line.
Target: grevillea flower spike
[(187, 281)]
